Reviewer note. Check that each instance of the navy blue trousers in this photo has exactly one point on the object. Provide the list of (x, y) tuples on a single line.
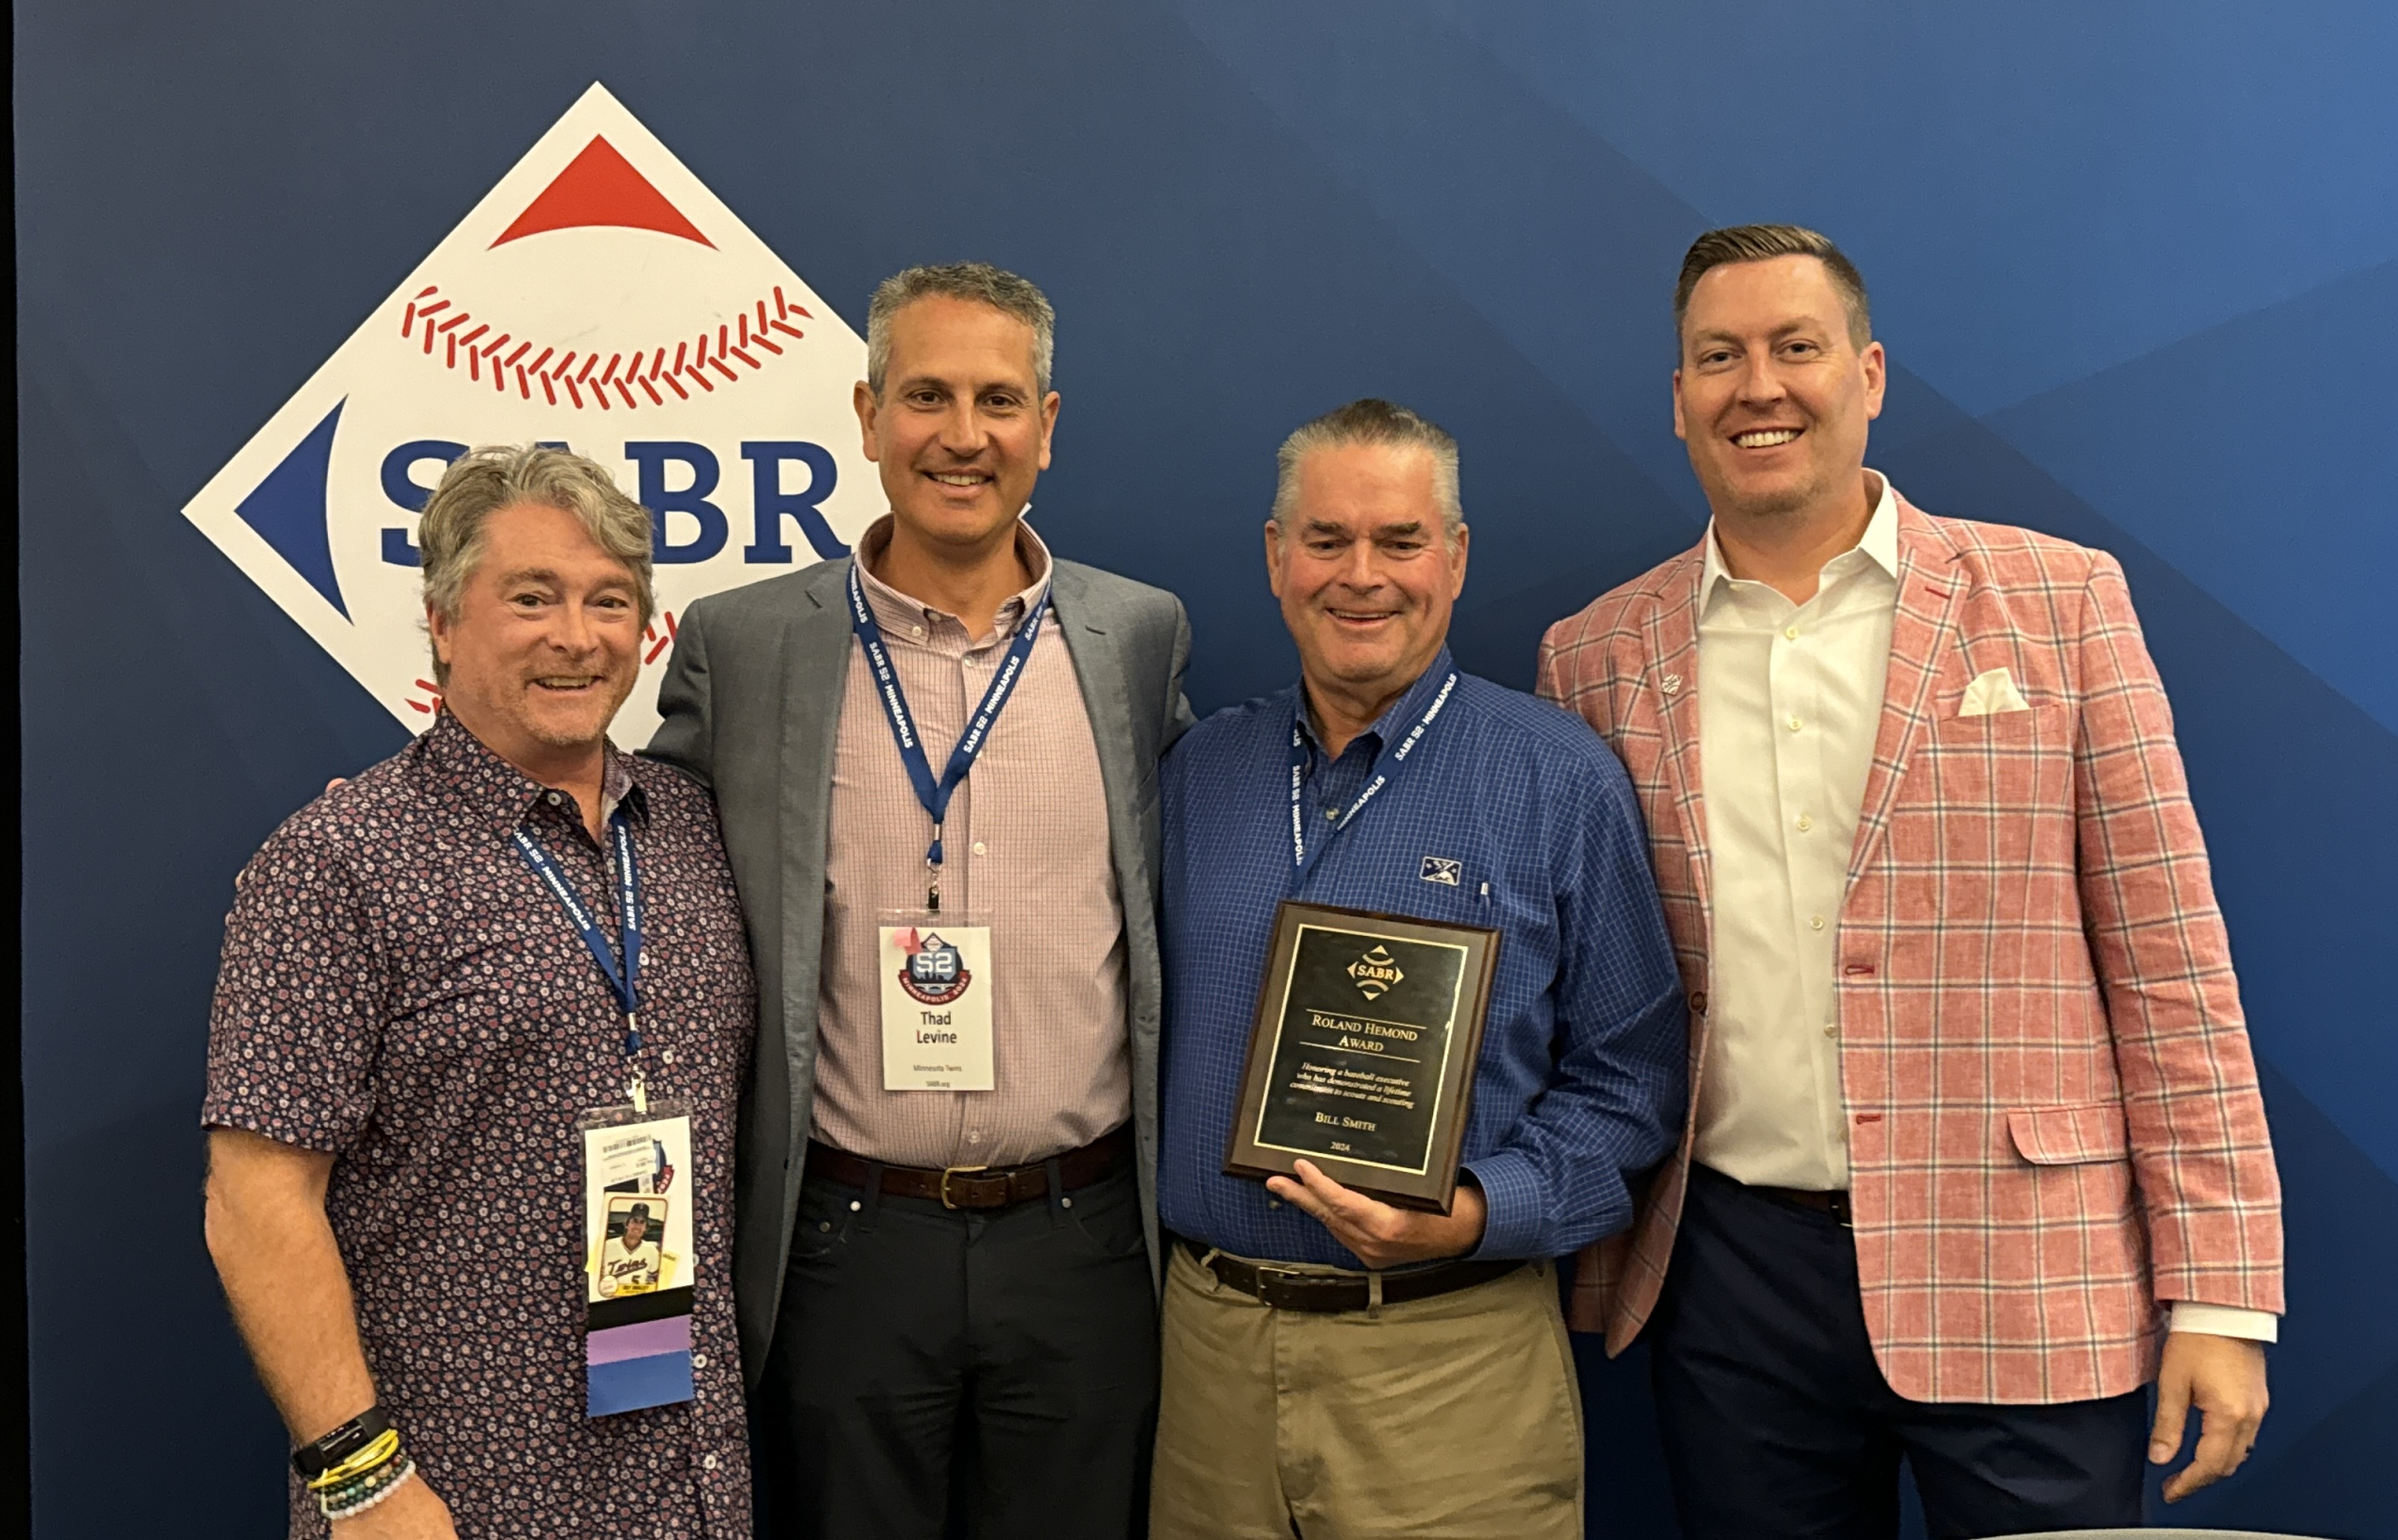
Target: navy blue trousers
[(1778, 1422)]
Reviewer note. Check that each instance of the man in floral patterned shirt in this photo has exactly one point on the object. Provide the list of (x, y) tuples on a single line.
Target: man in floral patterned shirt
[(408, 1027)]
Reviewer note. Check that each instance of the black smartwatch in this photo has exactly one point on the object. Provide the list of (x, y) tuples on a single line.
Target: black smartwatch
[(314, 1459)]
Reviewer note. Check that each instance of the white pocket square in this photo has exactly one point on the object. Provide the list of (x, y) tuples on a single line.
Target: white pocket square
[(1991, 694)]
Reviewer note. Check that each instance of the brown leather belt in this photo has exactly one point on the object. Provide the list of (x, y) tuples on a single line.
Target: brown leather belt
[(1834, 1203), (1290, 1289), (976, 1186)]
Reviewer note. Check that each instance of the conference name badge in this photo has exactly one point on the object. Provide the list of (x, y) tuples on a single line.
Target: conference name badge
[(637, 1265), (936, 971)]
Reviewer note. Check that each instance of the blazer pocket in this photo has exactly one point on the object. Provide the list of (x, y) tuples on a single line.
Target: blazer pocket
[(2025, 727), (2094, 1130)]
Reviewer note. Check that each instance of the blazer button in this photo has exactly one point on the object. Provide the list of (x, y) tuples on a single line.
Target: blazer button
[(1698, 1000)]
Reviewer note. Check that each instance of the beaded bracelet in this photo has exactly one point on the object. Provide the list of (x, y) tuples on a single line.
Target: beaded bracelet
[(366, 1486), (342, 1492), (367, 1490)]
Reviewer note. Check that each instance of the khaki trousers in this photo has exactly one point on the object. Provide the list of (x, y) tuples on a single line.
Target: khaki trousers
[(1450, 1418)]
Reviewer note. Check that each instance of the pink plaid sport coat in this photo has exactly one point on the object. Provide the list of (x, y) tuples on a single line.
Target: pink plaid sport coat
[(2053, 1118)]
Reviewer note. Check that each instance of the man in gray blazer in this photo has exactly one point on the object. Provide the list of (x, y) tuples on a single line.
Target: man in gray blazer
[(947, 1226)]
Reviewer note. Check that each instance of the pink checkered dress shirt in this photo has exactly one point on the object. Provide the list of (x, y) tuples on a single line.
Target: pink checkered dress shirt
[(1025, 845), (2054, 1128)]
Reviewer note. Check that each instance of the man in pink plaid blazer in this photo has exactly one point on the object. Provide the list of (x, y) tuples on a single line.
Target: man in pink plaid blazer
[(1976, 1149)]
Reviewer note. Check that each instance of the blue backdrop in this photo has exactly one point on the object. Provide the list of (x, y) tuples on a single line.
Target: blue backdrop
[(2136, 265)]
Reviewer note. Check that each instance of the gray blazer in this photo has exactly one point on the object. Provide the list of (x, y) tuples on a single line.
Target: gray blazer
[(752, 707)]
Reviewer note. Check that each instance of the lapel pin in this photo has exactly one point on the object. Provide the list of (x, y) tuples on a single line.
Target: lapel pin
[(1672, 684)]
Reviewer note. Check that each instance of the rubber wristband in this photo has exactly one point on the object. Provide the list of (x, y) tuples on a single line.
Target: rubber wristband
[(314, 1459)]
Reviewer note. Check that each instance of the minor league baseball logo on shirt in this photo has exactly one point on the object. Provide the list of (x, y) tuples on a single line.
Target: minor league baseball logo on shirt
[(600, 298)]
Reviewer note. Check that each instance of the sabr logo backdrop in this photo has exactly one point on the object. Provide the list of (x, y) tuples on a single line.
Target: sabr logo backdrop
[(2136, 265), (599, 298)]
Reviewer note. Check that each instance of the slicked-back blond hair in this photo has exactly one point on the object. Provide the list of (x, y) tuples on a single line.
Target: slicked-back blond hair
[(1762, 244)]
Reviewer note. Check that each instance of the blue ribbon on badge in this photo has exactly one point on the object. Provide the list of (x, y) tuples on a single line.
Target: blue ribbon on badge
[(625, 979), (935, 794)]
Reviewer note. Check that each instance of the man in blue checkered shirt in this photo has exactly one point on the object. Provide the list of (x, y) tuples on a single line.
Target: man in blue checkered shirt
[(1334, 1366)]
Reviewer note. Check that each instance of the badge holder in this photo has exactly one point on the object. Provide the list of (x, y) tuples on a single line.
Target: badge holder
[(638, 1255), (935, 970)]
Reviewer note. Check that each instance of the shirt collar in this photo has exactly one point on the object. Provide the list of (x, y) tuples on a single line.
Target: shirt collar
[(893, 608), (485, 780), (1399, 716), (1879, 545)]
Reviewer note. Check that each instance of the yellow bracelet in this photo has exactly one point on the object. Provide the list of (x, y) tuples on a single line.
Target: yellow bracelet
[(374, 1456)]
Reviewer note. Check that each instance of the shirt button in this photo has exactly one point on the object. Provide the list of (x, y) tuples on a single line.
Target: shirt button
[(708, 1464), (973, 1139), (979, 849), (1791, 632), (1331, 813), (553, 799), (666, 1056), (1805, 823), (1816, 922), (1794, 724), (1832, 1030), (915, 631), (698, 1360)]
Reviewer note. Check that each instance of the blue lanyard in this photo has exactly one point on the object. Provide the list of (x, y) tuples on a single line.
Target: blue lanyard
[(1387, 770), (934, 794), (624, 981)]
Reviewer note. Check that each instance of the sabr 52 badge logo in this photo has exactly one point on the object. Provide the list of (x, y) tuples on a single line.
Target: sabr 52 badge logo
[(599, 297)]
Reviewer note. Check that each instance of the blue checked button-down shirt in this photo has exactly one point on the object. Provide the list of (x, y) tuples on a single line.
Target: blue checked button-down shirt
[(1582, 1075)]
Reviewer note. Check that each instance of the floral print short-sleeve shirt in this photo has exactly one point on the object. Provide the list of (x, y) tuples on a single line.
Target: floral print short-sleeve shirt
[(399, 990)]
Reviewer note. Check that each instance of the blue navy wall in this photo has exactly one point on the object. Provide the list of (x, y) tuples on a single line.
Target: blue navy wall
[(2133, 263)]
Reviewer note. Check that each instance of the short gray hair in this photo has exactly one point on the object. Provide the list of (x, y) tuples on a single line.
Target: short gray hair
[(1372, 420), (485, 482), (979, 282)]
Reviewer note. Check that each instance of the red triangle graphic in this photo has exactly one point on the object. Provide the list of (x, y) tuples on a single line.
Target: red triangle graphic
[(600, 186)]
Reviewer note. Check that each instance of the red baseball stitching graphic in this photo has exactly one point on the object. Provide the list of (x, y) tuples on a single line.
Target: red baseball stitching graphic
[(691, 363), (659, 644)]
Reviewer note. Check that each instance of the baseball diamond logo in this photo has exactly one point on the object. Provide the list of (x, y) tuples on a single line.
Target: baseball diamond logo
[(1376, 972), (936, 972), (599, 298)]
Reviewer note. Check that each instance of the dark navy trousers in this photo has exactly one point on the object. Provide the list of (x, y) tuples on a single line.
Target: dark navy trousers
[(1777, 1420)]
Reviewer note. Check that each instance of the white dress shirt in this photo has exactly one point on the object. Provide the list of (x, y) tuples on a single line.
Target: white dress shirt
[(1790, 705)]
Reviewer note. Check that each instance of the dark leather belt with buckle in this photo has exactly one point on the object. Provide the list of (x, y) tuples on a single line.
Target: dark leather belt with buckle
[(976, 1186), (1834, 1203), (1291, 1289)]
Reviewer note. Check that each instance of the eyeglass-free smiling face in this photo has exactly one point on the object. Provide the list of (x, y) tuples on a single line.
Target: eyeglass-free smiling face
[(1773, 395), (546, 643), (961, 431), (1366, 577)]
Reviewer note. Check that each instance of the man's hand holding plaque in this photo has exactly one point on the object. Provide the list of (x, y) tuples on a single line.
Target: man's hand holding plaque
[(1383, 1235)]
